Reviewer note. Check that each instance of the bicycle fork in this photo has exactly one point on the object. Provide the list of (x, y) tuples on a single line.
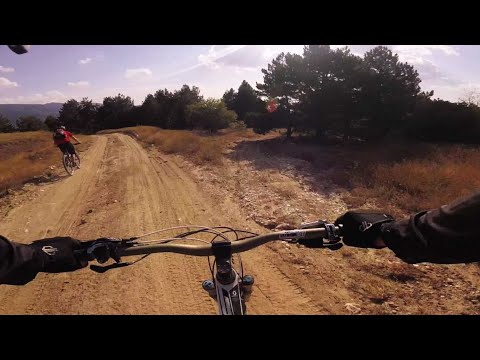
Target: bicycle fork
[(246, 286), (228, 288)]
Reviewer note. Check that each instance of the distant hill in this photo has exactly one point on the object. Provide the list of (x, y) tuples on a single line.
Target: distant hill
[(14, 111)]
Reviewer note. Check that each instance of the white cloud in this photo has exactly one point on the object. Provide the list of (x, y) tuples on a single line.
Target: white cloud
[(38, 98), (244, 57), (85, 61), (416, 53), (6, 69), (238, 58), (209, 58), (421, 57), (216, 53), (79, 84), (271, 51), (138, 74), (453, 92), (5, 83)]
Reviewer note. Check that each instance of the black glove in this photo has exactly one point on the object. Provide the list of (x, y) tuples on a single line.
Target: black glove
[(58, 254), (361, 228)]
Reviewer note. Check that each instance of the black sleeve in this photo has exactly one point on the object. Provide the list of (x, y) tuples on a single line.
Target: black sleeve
[(19, 263), (447, 235)]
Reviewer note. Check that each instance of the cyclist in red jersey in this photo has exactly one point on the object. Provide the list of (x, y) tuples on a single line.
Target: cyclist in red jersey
[(62, 138)]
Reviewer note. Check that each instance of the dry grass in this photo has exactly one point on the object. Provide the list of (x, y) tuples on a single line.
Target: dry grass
[(199, 147), (398, 177), (25, 155), (427, 180)]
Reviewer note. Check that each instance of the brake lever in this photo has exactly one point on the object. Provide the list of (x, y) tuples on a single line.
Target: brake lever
[(319, 243), (102, 269)]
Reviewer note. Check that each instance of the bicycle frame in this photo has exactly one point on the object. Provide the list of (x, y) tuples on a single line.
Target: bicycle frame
[(229, 296), (227, 281)]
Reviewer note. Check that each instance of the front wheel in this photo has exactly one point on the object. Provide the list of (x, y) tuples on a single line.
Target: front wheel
[(68, 164), (77, 161)]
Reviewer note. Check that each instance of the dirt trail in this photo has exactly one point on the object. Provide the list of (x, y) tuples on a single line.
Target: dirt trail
[(123, 190)]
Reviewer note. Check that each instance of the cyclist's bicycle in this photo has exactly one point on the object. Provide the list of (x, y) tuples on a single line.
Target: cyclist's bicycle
[(228, 285), (70, 162)]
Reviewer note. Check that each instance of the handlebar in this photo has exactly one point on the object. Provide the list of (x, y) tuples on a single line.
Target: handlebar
[(236, 246), (103, 249)]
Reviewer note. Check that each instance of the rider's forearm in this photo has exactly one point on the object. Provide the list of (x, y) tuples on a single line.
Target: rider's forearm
[(19, 263), (449, 234)]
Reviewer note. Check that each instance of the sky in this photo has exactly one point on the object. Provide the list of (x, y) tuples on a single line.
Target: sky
[(56, 73)]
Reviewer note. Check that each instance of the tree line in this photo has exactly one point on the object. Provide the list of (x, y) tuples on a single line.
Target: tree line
[(320, 92)]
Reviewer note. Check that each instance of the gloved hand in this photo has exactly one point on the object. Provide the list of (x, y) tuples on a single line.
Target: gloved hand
[(58, 254), (362, 228)]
